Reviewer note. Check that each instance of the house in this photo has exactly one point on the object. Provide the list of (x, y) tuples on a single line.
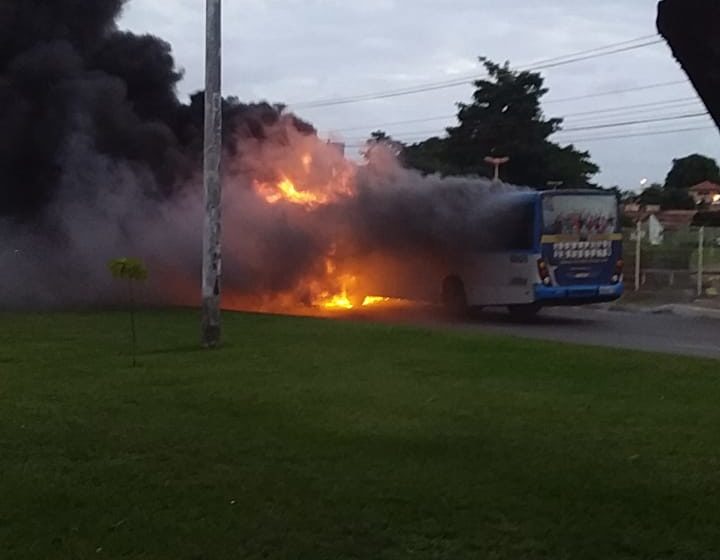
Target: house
[(635, 211), (669, 220), (675, 220), (706, 193)]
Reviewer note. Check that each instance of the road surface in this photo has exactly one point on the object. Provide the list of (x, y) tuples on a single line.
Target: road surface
[(664, 333)]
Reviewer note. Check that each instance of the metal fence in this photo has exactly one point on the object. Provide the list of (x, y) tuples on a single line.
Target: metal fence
[(686, 262)]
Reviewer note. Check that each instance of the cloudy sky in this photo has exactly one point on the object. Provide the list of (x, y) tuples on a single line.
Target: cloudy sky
[(300, 51)]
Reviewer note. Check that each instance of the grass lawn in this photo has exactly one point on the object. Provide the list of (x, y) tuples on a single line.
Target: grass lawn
[(311, 439)]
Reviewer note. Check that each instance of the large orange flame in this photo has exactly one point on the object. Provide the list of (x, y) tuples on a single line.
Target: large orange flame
[(301, 187), (339, 286)]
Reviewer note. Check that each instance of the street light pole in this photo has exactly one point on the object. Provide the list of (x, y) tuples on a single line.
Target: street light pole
[(212, 262)]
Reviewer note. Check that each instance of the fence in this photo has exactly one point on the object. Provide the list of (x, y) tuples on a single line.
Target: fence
[(684, 262)]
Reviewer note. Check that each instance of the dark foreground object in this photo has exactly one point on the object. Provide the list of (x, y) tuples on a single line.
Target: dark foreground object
[(692, 28)]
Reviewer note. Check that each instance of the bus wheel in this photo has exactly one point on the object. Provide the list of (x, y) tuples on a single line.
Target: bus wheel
[(524, 312), (453, 296)]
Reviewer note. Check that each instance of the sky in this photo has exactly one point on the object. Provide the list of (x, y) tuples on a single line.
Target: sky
[(300, 51)]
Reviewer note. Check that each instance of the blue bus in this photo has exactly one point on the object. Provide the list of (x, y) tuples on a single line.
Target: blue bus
[(561, 248)]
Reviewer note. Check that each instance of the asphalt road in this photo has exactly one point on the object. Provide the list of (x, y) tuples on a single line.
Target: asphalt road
[(664, 333)]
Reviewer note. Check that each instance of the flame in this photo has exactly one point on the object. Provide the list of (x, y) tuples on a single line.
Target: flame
[(374, 300), (338, 301), (342, 299), (335, 284), (307, 161), (299, 184), (285, 190)]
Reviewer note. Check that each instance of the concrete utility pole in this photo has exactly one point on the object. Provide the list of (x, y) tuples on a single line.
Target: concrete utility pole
[(497, 162), (212, 261)]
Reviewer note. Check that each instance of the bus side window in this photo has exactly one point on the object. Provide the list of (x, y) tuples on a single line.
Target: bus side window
[(511, 228), (521, 228)]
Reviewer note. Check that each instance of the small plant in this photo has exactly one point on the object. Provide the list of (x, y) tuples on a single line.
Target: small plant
[(131, 271)]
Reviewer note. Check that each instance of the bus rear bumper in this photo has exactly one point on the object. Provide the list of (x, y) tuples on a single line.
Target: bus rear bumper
[(577, 295)]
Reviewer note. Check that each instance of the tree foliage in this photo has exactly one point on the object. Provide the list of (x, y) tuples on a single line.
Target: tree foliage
[(128, 269), (505, 118), (685, 173), (691, 170)]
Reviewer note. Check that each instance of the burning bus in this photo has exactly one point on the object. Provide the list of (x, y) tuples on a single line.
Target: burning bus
[(324, 233), (384, 233)]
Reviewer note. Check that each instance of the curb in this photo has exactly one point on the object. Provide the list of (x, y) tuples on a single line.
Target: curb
[(690, 311), (679, 309)]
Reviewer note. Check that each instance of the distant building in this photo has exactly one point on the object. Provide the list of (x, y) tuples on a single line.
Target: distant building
[(706, 194), (634, 210), (668, 220), (675, 220)]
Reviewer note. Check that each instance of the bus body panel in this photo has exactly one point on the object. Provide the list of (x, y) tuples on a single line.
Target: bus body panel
[(501, 279), (580, 246)]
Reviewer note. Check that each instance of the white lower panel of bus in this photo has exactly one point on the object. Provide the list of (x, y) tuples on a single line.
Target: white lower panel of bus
[(500, 279)]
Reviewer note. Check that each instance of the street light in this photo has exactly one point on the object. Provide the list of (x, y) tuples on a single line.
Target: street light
[(212, 261), (497, 162)]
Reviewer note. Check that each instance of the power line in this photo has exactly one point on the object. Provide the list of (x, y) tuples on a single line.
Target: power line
[(613, 137), (616, 92), (394, 123), (622, 109), (581, 56), (647, 113), (652, 36), (655, 104), (548, 65), (636, 122), (407, 136), (639, 134)]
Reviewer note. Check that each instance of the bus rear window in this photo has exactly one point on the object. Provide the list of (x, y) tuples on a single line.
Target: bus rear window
[(512, 227), (579, 215)]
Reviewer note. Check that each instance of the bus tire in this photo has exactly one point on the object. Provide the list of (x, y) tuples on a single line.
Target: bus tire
[(454, 297), (525, 311)]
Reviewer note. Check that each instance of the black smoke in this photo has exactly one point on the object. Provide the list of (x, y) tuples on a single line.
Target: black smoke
[(99, 159), (67, 71)]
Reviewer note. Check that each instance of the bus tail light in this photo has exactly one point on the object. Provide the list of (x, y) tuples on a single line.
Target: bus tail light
[(619, 266), (544, 272)]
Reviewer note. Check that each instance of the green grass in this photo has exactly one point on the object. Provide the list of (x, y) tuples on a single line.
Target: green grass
[(309, 439)]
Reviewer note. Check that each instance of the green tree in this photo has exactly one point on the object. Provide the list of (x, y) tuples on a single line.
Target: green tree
[(691, 170), (505, 118), (131, 271), (429, 156), (654, 195)]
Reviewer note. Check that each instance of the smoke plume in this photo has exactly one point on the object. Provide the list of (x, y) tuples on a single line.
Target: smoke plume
[(100, 159)]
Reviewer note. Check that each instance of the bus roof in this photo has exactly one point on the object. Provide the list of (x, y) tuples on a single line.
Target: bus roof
[(528, 195), (590, 192)]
